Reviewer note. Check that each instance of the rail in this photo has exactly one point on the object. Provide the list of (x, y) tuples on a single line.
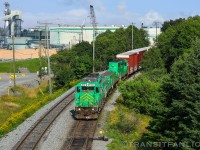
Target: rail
[(32, 138)]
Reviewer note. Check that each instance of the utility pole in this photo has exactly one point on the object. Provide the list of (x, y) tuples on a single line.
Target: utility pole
[(47, 51), (13, 49), (94, 24), (40, 55), (156, 23), (83, 24), (132, 35)]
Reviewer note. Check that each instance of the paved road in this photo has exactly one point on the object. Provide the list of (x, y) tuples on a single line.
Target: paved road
[(5, 82)]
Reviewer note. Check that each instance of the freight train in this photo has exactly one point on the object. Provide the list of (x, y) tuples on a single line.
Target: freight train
[(91, 92)]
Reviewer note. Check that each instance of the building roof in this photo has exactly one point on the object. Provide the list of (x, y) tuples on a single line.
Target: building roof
[(131, 52)]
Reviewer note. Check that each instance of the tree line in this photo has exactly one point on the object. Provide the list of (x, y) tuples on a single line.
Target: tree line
[(169, 88)]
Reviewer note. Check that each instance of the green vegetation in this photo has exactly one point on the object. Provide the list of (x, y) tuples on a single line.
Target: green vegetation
[(33, 65), (168, 89), (177, 40), (126, 127), (179, 120), (15, 109), (77, 62), (72, 64), (140, 95)]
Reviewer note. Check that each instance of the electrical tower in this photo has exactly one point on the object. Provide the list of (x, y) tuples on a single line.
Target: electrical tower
[(94, 24)]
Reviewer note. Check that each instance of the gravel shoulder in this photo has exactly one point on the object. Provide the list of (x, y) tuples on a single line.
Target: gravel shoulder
[(109, 106), (55, 138), (7, 142)]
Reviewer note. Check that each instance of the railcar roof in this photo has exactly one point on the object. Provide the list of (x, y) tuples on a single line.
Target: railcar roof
[(107, 73), (91, 77), (88, 79), (117, 60), (131, 52)]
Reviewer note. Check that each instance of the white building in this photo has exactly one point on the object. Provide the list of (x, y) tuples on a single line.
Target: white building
[(69, 36), (152, 33)]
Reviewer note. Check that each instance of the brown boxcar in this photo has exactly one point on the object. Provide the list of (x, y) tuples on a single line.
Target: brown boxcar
[(133, 57)]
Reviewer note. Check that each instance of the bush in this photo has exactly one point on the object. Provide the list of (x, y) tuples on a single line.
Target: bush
[(141, 95), (125, 127)]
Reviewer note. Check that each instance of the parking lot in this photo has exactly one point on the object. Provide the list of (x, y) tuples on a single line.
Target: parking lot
[(6, 81)]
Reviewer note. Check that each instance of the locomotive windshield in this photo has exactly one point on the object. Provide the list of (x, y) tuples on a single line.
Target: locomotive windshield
[(87, 88)]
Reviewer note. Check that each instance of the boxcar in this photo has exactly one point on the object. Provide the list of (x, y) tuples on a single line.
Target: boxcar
[(133, 57)]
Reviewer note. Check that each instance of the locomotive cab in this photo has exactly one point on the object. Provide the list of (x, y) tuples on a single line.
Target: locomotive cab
[(120, 67), (87, 97)]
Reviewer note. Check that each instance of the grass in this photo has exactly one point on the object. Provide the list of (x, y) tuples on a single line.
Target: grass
[(15, 109), (125, 127), (32, 65)]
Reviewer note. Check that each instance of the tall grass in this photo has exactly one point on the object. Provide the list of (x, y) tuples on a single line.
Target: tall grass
[(15, 109), (125, 127)]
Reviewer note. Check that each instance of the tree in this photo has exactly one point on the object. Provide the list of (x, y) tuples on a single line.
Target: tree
[(177, 39), (140, 95), (152, 60), (179, 120), (109, 44), (170, 23), (72, 64)]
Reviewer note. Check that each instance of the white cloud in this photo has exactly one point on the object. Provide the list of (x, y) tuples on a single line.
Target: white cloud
[(151, 17), (122, 16)]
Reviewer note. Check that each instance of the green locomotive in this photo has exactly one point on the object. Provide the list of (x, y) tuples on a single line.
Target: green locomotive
[(91, 92)]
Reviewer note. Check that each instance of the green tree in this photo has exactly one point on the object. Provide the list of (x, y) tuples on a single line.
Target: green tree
[(152, 60), (63, 76), (141, 95), (109, 44), (170, 23), (179, 120), (72, 64), (177, 39)]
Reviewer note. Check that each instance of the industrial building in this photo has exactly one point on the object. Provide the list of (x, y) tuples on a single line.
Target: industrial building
[(63, 37), (153, 33), (69, 36)]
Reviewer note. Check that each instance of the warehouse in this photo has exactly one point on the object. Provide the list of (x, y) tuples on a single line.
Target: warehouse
[(71, 35)]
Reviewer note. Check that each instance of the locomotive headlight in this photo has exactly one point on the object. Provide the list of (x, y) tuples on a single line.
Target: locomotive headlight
[(92, 109), (79, 109)]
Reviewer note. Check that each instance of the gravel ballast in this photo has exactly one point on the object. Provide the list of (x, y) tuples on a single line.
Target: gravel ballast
[(109, 106)]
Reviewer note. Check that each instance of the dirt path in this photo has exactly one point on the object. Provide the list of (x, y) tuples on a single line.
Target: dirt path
[(24, 54)]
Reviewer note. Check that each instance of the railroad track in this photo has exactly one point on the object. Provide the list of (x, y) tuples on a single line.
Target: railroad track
[(32, 138), (81, 135)]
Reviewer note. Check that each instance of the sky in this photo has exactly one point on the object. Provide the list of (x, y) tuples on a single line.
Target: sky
[(108, 12)]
